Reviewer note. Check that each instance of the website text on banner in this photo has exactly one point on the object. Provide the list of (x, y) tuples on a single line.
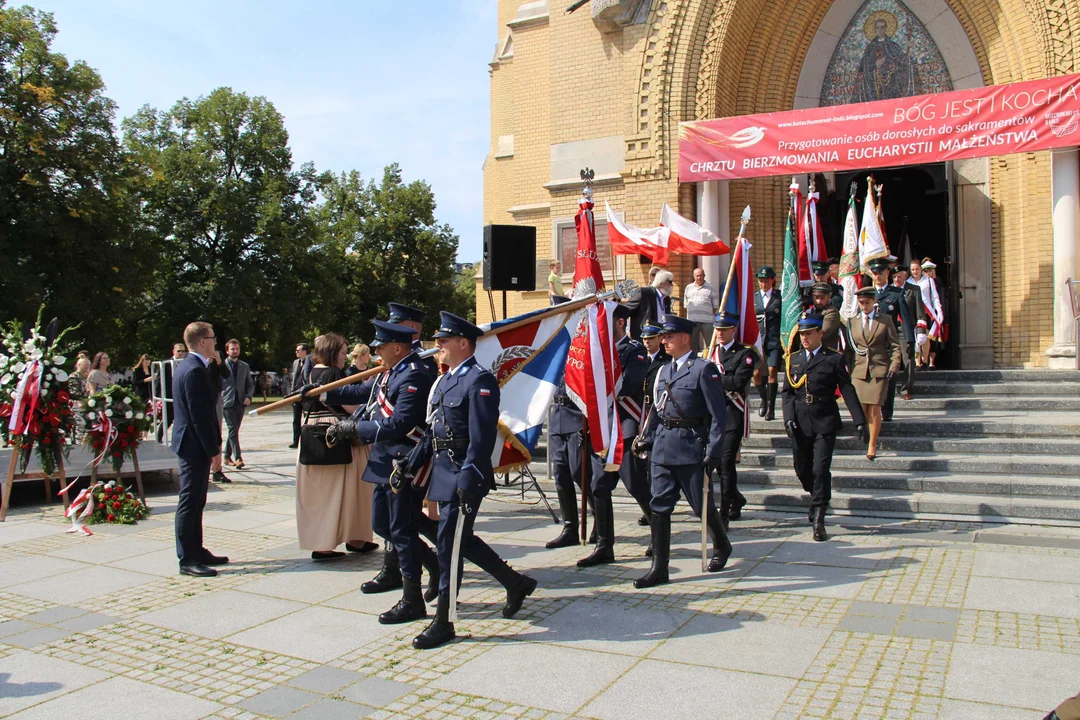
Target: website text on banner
[(996, 120)]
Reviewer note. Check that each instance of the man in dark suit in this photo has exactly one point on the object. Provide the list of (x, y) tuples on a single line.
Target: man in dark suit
[(299, 376), (237, 389), (767, 306), (652, 304), (196, 441), (812, 417)]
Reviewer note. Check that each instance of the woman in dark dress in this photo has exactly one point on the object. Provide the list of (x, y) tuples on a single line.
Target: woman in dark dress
[(141, 378)]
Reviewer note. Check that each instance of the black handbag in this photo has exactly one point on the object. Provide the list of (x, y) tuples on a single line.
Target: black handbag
[(313, 449)]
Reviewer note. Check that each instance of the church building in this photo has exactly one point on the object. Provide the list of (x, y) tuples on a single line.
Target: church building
[(606, 84)]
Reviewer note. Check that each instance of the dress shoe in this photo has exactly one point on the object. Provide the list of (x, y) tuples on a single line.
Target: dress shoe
[(318, 556), (292, 446), (906, 396), (362, 549), (410, 607), (515, 595), (229, 462), (197, 570), (440, 631), (239, 464), (212, 560), (643, 521), (219, 477)]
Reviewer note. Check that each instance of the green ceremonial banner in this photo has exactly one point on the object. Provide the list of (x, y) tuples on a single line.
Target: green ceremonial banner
[(789, 284)]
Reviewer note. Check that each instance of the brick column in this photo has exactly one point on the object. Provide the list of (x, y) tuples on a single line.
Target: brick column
[(1065, 171)]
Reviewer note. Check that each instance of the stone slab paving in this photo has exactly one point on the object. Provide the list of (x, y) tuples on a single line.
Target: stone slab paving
[(889, 619)]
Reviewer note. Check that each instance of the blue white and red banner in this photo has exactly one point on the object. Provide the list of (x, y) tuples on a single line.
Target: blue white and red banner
[(527, 354)]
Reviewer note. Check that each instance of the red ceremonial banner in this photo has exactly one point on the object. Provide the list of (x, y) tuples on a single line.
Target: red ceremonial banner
[(995, 120)]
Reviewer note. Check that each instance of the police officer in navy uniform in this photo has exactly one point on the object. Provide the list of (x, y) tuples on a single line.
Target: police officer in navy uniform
[(564, 443), (628, 402), (656, 358), (686, 434), (812, 416), (389, 576), (736, 363), (464, 412), (413, 318), (767, 307), (391, 421)]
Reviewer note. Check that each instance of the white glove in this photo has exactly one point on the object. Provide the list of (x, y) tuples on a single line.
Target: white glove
[(920, 340)]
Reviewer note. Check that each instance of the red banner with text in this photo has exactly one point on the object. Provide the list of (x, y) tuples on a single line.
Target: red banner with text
[(995, 120)]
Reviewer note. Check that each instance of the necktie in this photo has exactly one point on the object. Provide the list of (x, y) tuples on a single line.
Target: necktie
[(866, 323)]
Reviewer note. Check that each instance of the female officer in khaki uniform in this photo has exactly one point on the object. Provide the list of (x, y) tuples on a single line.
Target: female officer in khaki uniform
[(877, 360)]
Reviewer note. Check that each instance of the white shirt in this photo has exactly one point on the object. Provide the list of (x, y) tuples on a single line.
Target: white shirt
[(811, 353), (700, 302), (728, 346), (677, 365), (867, 320), (765, 295)]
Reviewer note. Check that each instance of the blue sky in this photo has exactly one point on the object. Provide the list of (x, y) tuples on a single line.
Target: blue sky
[(361, 84)]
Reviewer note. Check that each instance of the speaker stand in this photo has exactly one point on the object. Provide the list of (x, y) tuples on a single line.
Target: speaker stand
[(491, 303), (504, 305), (525, 480)]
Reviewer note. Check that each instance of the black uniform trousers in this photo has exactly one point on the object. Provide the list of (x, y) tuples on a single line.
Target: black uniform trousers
[(194, 483), (904, 381), (669, 480), (405, 509), (473, 548), (634, 473), (729, 486), (297, 421), (813, 463), (565, 452), (380, 511)]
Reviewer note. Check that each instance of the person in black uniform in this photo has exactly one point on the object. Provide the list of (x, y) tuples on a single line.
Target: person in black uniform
[(767, 307), (812, 417), (464, 411), (564, 444), (736, 363), (685, 440), (656, 358), (628, 402)]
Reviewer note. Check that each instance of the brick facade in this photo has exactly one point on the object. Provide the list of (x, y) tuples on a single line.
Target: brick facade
[(570, 79)]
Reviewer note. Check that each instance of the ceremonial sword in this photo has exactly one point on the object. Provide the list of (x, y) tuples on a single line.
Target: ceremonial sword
[(455, 555)]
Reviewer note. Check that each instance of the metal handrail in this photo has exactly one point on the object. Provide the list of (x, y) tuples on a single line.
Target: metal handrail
[(1073, 287)]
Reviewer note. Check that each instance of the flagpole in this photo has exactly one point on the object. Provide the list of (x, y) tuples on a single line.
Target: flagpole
[(730, 273)]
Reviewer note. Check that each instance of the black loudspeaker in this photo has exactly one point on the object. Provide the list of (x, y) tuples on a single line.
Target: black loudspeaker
[(510, 257)]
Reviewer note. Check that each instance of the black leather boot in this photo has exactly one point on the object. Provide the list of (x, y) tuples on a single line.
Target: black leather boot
[(771, 414), (389, 577), (661, 546), (736, 506), (646, 513), (720, 543), (430, 562), (763, 394), (410, 607), (569, 534), (819, 524), (440, 631), (604, 552)]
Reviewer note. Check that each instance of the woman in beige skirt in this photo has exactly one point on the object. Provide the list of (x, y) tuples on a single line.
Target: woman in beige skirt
[(877, 359), (333, 505)]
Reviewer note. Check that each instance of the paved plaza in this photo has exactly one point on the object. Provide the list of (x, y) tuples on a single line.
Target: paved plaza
[(891, 618)]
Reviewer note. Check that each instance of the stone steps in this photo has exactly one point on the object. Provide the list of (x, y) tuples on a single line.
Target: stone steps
[(937, 388), (1006, 375), (908, 462), (929, 444)]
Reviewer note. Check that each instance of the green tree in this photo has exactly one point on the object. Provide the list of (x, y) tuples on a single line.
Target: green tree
[(67, 219), (388, 248), (231, 219)]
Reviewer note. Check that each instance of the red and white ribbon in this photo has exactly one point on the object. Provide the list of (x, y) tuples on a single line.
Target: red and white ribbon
[(27, 393)]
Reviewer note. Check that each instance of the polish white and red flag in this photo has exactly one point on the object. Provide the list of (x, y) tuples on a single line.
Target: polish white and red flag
[(812, 236), (802, 251), (629, 240), (689, 238)]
